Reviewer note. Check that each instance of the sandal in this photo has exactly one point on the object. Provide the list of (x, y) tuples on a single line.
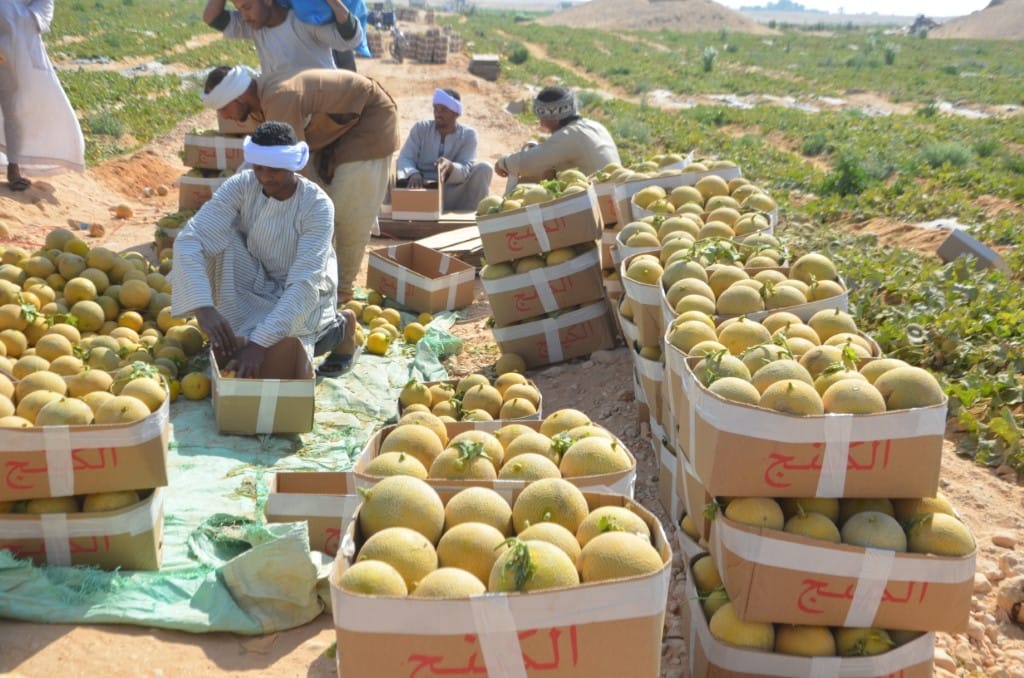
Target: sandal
[(20, 184), (336, 364)]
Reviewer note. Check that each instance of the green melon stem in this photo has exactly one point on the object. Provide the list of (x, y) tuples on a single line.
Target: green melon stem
[(519, 561)]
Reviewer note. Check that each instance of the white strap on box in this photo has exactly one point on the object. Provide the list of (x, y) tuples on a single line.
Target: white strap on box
[(867, 597), (832, 479), (541, 284), (405, 276), (535, 215), (552, 339), (59, 466), (54, 527), (499, 640), (269, 392)]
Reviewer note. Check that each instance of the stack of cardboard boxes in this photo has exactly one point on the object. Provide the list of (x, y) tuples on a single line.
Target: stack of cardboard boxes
[(431, 47), (74, 461), (213, 156), (547, 308)]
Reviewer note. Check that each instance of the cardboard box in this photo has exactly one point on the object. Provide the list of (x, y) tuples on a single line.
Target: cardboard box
[(325, 500), (553, 340), (58, 461), (772, 575), (194, 191), (417, 204), (623, 251), (693, 496), (802, 311), (280, 401), (613, 289), (688, 548), (538, 415), (652, 374), (563, 222), (605, 191), (546, 290), (624, 192), (622, 482), (600, 629), (741, 450), (666, 476), (608, 235), (213, 152), (228, 126), (627, 325), (711, 658), (645, 300), (420, 278), (130, 538)]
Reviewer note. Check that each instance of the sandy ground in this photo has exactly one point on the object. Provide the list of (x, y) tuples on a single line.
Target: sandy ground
[(990, 505)]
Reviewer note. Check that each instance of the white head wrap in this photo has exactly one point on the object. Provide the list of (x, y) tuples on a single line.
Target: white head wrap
[(227, 90), (448, 101), (291, 158), (563, 107)]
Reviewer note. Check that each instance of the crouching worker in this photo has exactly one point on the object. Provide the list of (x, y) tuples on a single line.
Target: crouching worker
[(257, 263), (440, 149)]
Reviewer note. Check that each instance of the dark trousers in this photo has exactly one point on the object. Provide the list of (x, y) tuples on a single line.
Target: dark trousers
[(345, 60)]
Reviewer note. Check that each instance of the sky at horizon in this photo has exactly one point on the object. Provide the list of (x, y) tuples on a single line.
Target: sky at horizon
[(930, 8)]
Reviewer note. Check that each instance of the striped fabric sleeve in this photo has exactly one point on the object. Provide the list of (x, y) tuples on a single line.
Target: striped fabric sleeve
[(206, 234), (300, 302)]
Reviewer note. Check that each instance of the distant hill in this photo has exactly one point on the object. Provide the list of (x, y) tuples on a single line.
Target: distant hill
[(684, 16), (1001, 20)]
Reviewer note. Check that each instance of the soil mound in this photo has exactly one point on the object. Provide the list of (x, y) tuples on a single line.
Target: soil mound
[(1001, 20), (685, 16)]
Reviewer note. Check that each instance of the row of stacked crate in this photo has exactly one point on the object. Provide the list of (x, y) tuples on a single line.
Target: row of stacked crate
[(746, 462), (543, 271)]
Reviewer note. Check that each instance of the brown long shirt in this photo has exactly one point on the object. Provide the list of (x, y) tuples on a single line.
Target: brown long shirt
[(343, 116)]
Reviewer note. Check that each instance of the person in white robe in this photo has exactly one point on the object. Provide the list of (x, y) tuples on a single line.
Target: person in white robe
[(257, 263), (39, 134)]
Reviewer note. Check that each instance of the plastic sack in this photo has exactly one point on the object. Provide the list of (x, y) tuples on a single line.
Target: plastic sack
[(268, 583), (318, 13)]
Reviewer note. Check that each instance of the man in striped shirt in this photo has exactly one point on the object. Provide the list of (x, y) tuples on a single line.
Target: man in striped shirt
[(256, 262), (351, 125)]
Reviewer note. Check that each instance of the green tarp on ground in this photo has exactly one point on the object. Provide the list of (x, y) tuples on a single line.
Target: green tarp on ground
[(223, 568)]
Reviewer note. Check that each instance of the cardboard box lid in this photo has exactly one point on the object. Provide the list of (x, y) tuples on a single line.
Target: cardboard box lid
[(58, 453), (534, 217), (57, 529), (417, 203), (709, 656), (813, 455), (546, 289), (815, 581)]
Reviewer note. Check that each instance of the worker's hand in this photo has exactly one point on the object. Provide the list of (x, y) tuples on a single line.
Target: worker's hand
[(217, 329), (499, 168), (414, 181), (248, 361), (444, 168)]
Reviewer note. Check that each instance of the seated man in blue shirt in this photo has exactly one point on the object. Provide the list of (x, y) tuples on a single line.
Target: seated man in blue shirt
[(443, 150)]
